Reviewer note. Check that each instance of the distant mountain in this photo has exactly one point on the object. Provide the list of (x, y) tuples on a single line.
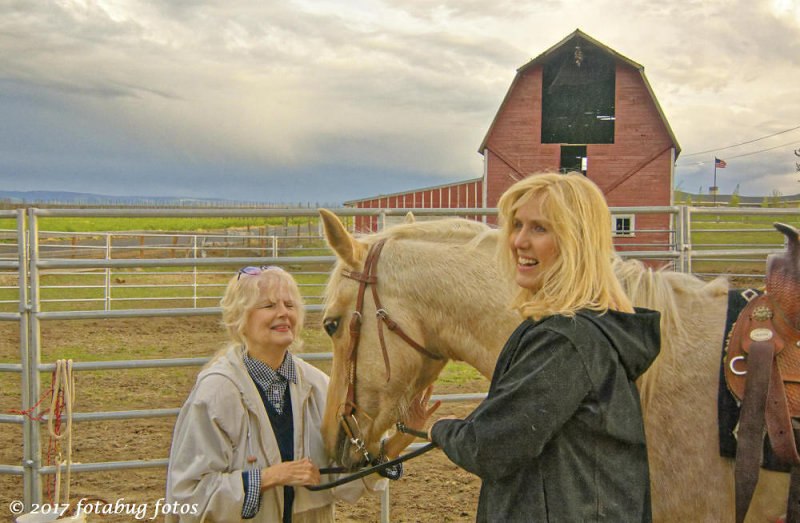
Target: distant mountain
[(76, 198)]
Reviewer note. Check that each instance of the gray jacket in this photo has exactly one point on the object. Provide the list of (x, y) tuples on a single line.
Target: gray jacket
[(560, 436)]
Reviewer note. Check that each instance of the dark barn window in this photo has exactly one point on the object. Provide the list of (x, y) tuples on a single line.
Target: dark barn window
[(573, 158), (578, 95)]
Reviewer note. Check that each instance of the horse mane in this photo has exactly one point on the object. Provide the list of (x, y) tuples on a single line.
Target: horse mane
[(663, 290), (449, 230)]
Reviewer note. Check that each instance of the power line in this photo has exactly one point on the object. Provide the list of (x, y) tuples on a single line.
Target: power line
[(743, 143), (740, 155), (764, 150)]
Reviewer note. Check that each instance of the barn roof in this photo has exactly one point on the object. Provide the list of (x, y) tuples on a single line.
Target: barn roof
[(617, 56)]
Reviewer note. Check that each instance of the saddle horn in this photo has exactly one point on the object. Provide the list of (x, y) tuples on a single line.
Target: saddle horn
[(783, 276)]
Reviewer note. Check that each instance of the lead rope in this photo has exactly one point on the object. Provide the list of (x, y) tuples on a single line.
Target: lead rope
[(375, 468), (63, 398), (370, 470)]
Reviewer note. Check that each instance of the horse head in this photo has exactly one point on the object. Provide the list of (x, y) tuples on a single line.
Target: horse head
[(376, 370)]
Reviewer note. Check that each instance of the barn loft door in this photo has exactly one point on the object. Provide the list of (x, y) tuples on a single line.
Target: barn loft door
[(578, 95)]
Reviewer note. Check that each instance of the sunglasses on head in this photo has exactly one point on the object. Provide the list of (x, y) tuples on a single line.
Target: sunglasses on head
[(255, 271)]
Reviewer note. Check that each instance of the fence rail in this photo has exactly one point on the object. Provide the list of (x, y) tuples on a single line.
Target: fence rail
[(40, 266)]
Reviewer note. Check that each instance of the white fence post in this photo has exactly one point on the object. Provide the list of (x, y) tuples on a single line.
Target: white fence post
[(107, 300), (684, 244), (385, 505), (194, 272)]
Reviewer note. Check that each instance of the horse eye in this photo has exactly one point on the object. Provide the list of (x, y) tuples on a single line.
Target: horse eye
[(331, 325)]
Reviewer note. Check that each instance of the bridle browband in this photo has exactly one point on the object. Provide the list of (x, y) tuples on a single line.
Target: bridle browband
[(365, 278)]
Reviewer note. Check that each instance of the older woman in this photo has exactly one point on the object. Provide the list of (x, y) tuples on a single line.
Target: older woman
[(247, 439), (560, 436)]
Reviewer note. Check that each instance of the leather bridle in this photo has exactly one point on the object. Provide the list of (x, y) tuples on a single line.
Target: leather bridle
[(365, 278)]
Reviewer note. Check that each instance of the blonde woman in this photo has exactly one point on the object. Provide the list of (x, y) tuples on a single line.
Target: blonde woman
[(248, 437), (560, 436)]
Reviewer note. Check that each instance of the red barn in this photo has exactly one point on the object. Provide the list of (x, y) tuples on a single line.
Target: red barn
[(579, 106)]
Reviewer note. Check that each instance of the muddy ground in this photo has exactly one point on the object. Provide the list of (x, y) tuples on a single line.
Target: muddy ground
[(432, 489)]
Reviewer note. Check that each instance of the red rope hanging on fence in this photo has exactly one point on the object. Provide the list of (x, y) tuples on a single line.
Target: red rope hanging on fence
[(57, 406), (27, 413)]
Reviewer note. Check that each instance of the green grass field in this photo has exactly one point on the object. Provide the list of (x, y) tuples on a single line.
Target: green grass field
[(149, 288)]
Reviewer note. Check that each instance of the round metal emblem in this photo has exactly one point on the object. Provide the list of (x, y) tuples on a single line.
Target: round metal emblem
[(762, 314), (761, 334)]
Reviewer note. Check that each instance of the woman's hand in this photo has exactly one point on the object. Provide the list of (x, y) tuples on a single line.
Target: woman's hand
[(434, 423), (292, 473), (418, 412), (416, 416)]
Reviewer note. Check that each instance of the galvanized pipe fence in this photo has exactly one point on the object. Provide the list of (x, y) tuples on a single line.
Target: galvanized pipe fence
[(23, 258)]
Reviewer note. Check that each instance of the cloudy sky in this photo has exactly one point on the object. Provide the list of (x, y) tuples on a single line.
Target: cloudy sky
[(325, 101)]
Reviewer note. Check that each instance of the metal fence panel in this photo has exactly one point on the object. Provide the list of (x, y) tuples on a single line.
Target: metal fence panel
[(30, 263)]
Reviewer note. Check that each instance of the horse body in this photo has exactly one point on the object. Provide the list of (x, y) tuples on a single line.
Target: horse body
[(439, 282)]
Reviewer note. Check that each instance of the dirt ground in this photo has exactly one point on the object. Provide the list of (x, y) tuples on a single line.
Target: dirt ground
[(433, 489)]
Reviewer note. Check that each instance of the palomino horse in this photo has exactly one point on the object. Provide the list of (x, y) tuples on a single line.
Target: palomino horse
[(438, 282)]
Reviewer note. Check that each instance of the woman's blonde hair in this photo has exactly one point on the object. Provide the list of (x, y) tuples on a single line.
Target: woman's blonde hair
[(582, 275), (245, 291)]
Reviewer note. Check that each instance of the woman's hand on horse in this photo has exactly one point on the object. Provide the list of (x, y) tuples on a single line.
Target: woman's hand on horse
[(416, 416), (418, 411), (292, 473)]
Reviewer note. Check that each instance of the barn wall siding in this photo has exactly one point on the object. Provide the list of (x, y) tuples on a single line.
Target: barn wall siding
[(467, 194)]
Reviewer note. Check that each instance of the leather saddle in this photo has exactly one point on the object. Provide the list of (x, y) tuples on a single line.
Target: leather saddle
[(762, 370), (761, 320)]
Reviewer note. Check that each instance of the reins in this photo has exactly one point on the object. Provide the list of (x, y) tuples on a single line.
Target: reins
[(374, 468)]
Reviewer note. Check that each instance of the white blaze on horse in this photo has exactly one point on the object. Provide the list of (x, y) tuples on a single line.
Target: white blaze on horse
[(438, 282)]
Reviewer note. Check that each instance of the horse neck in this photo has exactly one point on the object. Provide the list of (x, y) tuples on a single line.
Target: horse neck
[(458, 298)]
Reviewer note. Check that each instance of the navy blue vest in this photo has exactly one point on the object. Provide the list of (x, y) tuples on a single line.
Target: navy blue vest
[(283, 428)]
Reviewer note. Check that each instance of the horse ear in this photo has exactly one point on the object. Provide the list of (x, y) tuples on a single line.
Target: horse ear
[(409, 217), (350, 250)]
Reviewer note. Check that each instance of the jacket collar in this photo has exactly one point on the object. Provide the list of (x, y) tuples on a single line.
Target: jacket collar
[(230, 364)]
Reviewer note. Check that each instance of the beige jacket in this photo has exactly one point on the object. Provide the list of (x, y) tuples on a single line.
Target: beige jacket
[(224, 429)]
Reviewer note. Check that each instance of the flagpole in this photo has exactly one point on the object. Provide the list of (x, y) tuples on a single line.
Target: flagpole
[(715, 181)]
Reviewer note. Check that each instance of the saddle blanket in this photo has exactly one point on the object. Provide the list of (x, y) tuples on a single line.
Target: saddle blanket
[(727, 406)]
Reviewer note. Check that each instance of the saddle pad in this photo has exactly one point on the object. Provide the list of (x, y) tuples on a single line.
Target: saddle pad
[(727, 406)]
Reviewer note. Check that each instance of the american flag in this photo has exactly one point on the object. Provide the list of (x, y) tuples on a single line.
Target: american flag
[(719, 163)]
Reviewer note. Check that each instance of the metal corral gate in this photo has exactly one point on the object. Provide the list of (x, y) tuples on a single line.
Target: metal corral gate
[(28, 265)]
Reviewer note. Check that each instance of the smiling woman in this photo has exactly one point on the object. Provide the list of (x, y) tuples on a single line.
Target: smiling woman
[(247, 439), (532, 244), (272, 322), (560, 435)]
